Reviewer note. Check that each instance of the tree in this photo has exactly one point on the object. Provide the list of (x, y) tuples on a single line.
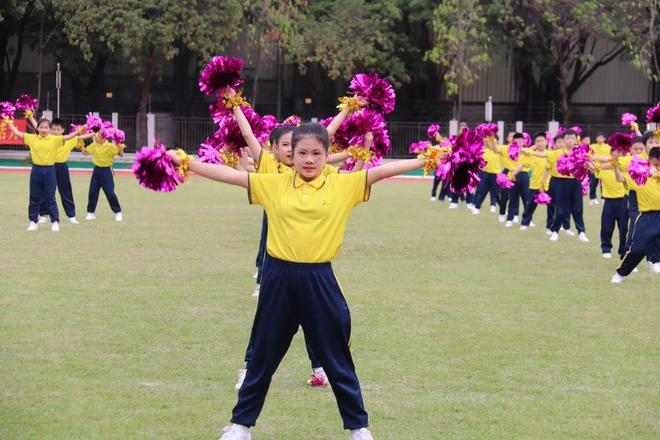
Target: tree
[(567, 35), (462, 44), (642, 20)]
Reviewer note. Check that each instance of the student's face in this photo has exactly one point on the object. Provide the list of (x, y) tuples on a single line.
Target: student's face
[(309, 157), (653, 142), (560, 143), (586, 140), (56, 130), (637, 148), (600, 139), (540, 143), (43, 129), (99, 137), (509, 138), (570, 140), (282, 149), (655, 163)]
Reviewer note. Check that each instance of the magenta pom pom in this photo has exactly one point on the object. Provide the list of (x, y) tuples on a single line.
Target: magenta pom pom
[(75, 128), (503, 181), (653, 114), (433, 132), (7, 110), (221, 72), (26, 103), (514, 151), (542, 198), (487, 130), (209, 151), (108, 130), (621, 142), (466, 161), (577, 129), (628, 119), (528, 139), (293, 120), (119, 136), (561, 131), (564, 165), (354, 128), (155, 170), (639, 170), (349, 163), (93, 122), (585, 185), (378, 92), (229, 134), (419, 147)]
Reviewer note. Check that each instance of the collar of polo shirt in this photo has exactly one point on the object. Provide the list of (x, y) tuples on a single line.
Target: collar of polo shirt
[(316, 183)]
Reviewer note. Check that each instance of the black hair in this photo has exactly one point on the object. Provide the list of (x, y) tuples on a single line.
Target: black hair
[(517, 135), (637, 139), (58, 122), (654, 153), (647, 136), (42, 120), (539, 134), (559, 136), (601, 133), (570, 132), (275, 135), (313, 129)]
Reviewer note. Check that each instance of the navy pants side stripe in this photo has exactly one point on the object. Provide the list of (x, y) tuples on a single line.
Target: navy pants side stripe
[(102, 179), (42, 193), (645, 240)]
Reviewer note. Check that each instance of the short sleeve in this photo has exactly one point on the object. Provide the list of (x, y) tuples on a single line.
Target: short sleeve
[(330, 169), (624, 163), (91, 148), (266, 163), (263, 188), (56, 140), (354, 187), (115, 149), (28, 139)]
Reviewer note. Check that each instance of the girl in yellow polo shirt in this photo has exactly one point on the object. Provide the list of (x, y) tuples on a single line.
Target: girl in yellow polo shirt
[(43, 148), (103, 152), (307, 215)]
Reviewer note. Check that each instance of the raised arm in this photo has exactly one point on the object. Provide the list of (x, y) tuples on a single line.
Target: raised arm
[(341, 116), (18, 133), (219, 173), (33, 122), (246, 130), (393, 169)]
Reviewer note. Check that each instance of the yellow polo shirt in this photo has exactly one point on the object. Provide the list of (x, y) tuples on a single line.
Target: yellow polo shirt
[(42, 148), (552, 157), (64, 150), (102, 154), (601, 149), (612, 188), (492, 161), (537, 166), (306, 220), (648, 196)]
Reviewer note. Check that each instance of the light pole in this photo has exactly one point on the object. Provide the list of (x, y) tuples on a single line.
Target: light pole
[(58, 86)]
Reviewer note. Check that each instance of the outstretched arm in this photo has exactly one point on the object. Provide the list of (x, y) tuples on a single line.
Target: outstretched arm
[(341, 116), (393, 169), (246, 130), (18, 133), (219, 173)]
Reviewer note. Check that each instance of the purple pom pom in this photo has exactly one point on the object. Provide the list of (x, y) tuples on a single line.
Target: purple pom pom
[(293, 120), (120, 136), (433, 132), (639, 170), (357, 125), (155, 170), (221, 72), (564, 165), (26, 103), (7, 110), (542, 198), (627, 119), (503, 181), (466, 159), (653, 114), (621, 142), (487, 130), (514, 151), (378, 92), (419, 147), (93, 122)]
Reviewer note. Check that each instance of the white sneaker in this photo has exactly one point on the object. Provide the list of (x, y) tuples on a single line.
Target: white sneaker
[(236, 432), (453, 205), (548, 232), (569, 232), (583, 237), (475, 211), (607, 255), (654, 267), (361, 434), (55, 227), (42, 220), (90, 216), (256, 274), (119, 217), (502, 218), (32, 227), (241, 378), (554, 236), (616, 279), (635, 270), (255, 292), (516, 219), (493, 209), (470, 206), (591, 202), (433, 199), (73, 221), (508, 224), (532, 224), (596, 202), (523, 228)]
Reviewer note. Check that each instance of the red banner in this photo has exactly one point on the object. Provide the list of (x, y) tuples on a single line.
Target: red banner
[(7, 137)]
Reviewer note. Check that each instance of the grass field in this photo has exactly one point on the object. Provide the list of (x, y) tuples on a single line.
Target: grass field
[(462, 329)]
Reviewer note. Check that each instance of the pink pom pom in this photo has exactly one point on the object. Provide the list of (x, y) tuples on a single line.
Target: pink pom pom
[(488, 130), (229, 134), (26, 103), (418, 147), (628, 119), (514, 151), (639, 170), (575, 162), (564, 165), (542, 198), (433, 132), (378, 92), (155, 170), (653, 114), (585, 185), (361, 122), (349, 163), (7, 110), (466, 161), (209, 151), (93, 122), (561, 131), (621, 142), (119, 136), (75, 128), (221, 72), (577, 129), (528, 139), (293, 120), (108, 131), (503, 181)]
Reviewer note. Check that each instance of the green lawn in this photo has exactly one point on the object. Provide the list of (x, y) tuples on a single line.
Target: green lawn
[(462, 329)]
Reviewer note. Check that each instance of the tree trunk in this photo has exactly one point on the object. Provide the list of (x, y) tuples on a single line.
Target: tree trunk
[(96, 82), (40, 67), (150, 64), (181, 64), (7, 84), (255, 83), (563, 92)]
